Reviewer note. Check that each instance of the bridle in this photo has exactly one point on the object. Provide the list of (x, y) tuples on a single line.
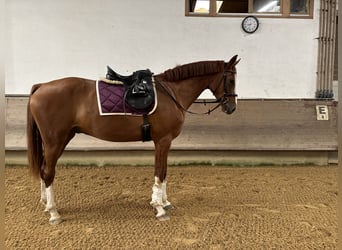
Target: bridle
[(226, 95), (220, 101)]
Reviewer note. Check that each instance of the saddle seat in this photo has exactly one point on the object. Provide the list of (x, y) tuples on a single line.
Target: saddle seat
[(139, 89), (112, 75)]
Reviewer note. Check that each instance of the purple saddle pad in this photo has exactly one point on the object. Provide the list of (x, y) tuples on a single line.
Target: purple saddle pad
[(110, 99)]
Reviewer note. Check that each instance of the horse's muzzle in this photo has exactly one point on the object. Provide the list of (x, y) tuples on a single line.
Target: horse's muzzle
[(228, 108)]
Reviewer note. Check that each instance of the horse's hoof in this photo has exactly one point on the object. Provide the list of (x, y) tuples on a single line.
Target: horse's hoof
[(164, 217), (168, 207), (55, 221)]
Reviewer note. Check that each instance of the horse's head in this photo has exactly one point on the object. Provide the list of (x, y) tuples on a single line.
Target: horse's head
[(224, 88)]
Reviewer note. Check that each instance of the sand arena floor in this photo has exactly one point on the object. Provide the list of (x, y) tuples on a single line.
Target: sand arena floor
[(214, 208)]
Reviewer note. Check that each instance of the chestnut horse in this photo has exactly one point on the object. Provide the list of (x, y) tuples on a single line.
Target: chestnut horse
[(59, 109)]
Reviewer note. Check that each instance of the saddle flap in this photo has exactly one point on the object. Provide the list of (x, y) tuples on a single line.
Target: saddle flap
[(140, 94)]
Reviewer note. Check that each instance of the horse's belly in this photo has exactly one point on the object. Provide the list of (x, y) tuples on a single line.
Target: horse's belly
[(116, 129)]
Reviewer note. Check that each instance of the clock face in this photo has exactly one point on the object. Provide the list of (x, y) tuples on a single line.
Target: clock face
[(250, 24)]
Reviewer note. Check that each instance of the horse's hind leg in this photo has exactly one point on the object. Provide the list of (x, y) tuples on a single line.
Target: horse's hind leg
[(47, 199), (43, 198), (50, 206), (47, 194), (51, 155)]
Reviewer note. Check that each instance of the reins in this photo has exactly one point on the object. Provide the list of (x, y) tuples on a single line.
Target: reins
[(219, 101)]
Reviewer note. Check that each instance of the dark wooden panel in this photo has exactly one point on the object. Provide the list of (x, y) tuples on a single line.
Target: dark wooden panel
[(263, 125), (256, 125)]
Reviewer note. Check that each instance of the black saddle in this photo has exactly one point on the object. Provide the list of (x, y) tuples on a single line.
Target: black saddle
[(139, 91), (112, 75)]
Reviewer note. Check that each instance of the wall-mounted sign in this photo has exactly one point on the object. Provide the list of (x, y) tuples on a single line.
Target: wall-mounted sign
[(322, 112)]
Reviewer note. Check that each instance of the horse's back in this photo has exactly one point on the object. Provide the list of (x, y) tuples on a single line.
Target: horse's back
[(61, 99), (63, 86), (63, 91)]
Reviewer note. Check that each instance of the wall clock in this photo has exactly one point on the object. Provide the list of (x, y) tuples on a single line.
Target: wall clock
[(250, 24)]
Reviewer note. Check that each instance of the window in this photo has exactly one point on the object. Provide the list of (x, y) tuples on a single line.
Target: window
[(277, 8)]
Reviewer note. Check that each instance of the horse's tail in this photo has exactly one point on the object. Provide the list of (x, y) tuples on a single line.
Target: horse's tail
[(34, 140)]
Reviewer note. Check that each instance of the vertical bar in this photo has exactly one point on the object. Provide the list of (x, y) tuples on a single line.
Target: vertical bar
[(324, 53), (250, 6), (326, 46), (320, 51), (285, 7), (327, 84), (212, 8), (332, 47), (187, 7)]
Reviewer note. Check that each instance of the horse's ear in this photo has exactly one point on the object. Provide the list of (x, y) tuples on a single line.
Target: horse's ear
[(236, 62), (233, 61)]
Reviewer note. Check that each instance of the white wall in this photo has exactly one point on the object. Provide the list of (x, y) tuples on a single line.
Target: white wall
[(49, 39)]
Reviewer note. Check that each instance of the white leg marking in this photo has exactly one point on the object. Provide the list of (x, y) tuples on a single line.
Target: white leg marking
[(157, 199), (55, 218), (166, 204), (43, 198), (157, 193)]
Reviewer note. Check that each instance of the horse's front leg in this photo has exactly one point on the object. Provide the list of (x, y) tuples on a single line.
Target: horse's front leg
[(43, 198), (166, 204), (159, 196), (159, 199), (48, 199)]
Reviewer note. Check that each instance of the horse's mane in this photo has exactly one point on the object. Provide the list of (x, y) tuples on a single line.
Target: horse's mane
[(193, 69)]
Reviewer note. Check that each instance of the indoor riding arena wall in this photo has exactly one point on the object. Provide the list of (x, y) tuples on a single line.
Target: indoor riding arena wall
[(260, 132)]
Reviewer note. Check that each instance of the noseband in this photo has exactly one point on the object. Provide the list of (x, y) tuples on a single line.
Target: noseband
[(226, 95)]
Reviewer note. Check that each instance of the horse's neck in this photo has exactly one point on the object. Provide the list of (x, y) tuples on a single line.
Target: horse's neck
[(187, 91)]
